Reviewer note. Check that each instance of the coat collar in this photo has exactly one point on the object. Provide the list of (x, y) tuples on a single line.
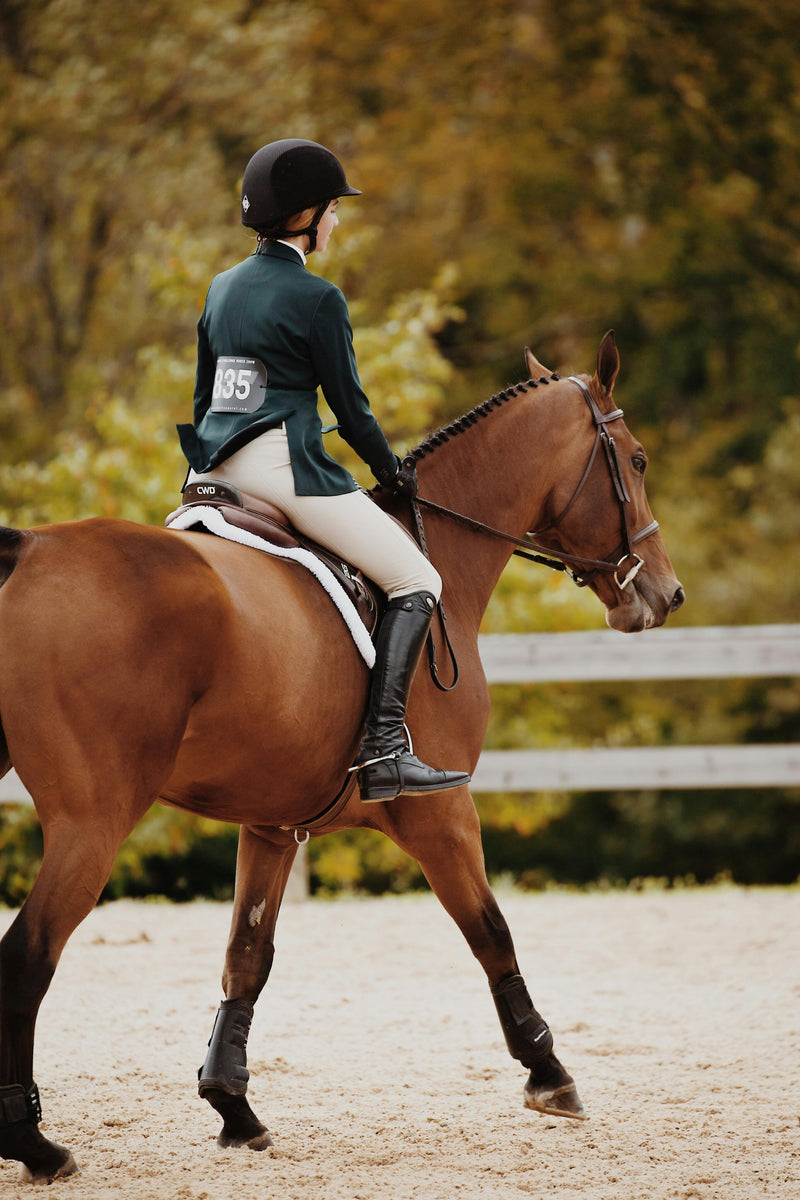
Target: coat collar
[(277, 250)]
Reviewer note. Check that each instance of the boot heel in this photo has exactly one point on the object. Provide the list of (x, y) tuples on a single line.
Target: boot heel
[(379, 782), (379, 795)]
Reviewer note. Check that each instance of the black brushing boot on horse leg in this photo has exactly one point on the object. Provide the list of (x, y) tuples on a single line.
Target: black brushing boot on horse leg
[(387, 768), (550, 1088), (223, 1078)]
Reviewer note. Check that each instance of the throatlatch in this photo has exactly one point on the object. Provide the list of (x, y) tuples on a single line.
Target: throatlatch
[(225, 1067), (527, 1034)]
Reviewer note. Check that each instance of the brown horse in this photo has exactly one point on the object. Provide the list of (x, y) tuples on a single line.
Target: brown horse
[(139, 664)]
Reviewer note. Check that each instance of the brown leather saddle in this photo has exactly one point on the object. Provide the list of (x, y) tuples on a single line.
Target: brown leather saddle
[(266, 521)]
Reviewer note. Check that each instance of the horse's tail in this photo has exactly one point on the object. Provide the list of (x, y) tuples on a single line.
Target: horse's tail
[(5, 758), (10, 545)]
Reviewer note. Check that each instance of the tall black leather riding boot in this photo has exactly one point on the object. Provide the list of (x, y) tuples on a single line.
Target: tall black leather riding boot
[(388, 767)]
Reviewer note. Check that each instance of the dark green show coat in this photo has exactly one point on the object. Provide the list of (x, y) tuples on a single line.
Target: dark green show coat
[(271, 333)]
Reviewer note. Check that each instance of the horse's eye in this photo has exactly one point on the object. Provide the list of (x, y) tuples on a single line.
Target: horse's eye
[(639, 463)]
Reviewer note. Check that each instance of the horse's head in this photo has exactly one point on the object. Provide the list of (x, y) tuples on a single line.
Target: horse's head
[(603, 516)]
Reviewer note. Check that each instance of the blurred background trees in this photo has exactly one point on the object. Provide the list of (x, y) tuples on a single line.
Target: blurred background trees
[(534, 172)]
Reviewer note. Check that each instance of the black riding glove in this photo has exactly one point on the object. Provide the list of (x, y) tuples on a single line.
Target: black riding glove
[(386, 475), (405, 481)]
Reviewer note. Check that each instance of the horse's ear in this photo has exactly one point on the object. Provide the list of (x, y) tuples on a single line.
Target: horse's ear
[(607, 363), (535, 368)]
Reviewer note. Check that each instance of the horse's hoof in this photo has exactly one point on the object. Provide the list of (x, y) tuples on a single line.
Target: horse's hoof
[(240, 1125), (262, 1141), (561, 1101), (50, 1174)]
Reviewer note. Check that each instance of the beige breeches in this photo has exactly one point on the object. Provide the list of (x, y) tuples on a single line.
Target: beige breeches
[(351, 525)]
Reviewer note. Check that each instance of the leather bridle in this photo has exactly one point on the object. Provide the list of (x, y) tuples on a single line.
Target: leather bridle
[(581, 569)]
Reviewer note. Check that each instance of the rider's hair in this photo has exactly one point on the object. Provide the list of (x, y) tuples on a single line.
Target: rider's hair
[(300, 220)]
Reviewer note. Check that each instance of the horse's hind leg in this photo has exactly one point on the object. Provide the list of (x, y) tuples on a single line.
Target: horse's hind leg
[(76, 864), (447, 844), (262, 870)]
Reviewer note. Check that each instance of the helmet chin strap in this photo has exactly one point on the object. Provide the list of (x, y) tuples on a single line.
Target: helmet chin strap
[(310, 230), (313, 227)]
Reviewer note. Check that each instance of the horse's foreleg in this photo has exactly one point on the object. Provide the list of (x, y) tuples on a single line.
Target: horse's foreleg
[(262, 870), (446, 842)]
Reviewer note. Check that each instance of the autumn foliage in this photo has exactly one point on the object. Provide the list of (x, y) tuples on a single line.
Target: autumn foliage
[(534, 172)]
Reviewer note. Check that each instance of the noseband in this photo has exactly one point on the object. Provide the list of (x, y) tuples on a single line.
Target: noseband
[(581, 570)]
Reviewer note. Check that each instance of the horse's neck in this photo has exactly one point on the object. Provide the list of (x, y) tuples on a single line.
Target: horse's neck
[(500, 470)]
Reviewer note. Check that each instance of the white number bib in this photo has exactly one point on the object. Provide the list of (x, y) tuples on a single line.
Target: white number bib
[(239, 385)]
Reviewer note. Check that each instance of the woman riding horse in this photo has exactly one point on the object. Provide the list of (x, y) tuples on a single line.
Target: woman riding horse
[(270, 334)]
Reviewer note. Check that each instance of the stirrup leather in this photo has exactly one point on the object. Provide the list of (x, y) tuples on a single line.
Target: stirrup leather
[(370, 762)]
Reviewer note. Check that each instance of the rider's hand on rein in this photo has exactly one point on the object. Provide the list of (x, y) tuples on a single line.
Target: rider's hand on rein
[(405, 481)]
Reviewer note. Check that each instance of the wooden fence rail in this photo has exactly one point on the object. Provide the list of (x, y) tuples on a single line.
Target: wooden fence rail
[(717, 652), (714, 652), (747, 651)]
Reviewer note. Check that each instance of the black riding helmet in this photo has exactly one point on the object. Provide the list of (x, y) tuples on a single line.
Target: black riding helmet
[(283, 178)]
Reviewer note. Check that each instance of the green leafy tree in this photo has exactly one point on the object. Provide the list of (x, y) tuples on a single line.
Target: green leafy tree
[(121, 127), (122, 458)]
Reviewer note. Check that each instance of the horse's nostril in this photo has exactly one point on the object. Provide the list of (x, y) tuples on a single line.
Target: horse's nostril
[(677, 599)]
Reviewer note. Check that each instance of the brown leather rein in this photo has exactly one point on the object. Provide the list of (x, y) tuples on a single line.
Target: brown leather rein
[(579, 568)]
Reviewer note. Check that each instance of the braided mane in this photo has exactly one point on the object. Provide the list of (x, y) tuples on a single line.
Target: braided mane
[(474, 415)]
